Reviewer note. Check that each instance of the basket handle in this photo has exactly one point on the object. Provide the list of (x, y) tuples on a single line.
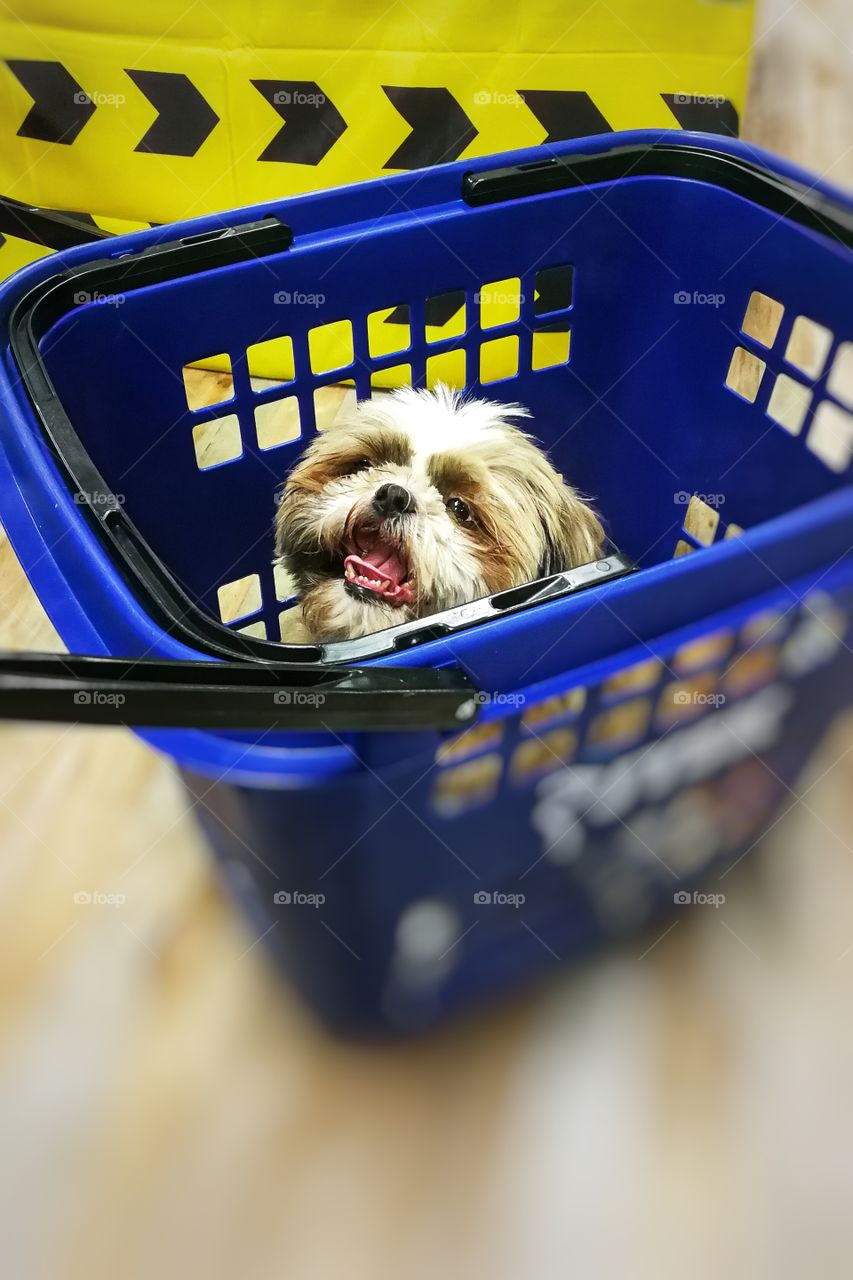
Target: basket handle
[(48, 227), (154, 692)]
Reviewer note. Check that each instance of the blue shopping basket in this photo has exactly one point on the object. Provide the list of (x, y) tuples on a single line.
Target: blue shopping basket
[(428, 816)]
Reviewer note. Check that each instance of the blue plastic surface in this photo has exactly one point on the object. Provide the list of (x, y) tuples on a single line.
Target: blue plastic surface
[(639, 417)]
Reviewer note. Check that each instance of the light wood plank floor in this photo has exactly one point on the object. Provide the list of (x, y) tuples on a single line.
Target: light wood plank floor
[(166, 1109)]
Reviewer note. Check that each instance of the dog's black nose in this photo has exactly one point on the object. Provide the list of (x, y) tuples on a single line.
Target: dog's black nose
[(393, 500)]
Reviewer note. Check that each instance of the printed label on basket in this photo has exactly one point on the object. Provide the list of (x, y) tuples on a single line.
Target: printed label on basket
[(568, 801)]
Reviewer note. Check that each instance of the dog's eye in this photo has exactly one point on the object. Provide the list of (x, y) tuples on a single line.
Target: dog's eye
[(360, 464), (459, 510)]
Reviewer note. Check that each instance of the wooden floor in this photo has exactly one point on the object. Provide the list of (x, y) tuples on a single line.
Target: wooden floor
[(167, 1110)]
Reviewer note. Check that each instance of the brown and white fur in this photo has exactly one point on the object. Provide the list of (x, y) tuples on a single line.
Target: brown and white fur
[(420, 501)]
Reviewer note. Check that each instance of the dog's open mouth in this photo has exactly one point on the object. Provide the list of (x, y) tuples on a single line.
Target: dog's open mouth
[(380, 568)]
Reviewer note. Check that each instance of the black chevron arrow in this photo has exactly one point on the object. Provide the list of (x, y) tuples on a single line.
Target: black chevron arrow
[(60, 106), (708, 114), (440, 128), (565, 113), (184, 118), (312, 125)]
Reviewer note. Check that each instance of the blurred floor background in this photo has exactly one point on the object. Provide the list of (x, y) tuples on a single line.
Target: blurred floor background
[(682, 1106)]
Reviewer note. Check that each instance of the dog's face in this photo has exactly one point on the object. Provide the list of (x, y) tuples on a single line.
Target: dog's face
[(419, 502)]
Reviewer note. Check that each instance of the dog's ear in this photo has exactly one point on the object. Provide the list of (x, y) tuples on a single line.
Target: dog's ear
[(573, 532)]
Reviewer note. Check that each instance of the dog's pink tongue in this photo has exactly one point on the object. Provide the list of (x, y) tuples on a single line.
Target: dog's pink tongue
[(381, 570)]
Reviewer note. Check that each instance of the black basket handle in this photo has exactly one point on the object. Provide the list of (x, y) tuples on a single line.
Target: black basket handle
[(154, 692), (49, 227)]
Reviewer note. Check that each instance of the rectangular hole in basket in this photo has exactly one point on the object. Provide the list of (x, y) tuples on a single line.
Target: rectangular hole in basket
[(209, 381), (789, 403), (285, 587), (257, 630), (762, 319), (240, 598), (332, 404), (831, 436), (330, 346), (398, 375), (840, 381), (808, 346), (701, 521), (448, 368), (745, 374), (445, 316), (271, 363), (499, 359), (467, 786), (277, 422), (637, 678), (473, 742), (389, 331), (217, 442), (553, 289), (562, 706), (537, 756), (685, 700), (620, 727), (551, 348), (499, 302)]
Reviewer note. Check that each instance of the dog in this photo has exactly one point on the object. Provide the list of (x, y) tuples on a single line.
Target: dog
[(419, 501)]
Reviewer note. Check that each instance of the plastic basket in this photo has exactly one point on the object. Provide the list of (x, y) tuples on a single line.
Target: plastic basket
[(683, 337)]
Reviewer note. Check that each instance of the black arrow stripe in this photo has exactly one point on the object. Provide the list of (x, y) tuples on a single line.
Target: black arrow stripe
[(184, 118), (312, 125), (60, 105), (440, 128), (708, 114), (565, 113)]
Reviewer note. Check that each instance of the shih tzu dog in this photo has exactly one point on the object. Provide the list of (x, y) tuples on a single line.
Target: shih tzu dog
[(420, 501)]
